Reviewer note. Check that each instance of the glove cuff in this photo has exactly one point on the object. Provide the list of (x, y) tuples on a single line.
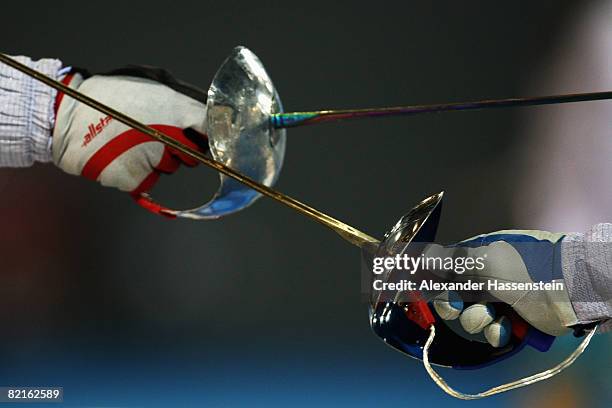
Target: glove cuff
[(27, 117)]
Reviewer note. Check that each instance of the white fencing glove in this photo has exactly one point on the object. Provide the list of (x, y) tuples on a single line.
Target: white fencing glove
[(507, 257), (92, 144)]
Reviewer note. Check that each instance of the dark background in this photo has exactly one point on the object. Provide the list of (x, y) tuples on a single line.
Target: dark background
[(263, 308)]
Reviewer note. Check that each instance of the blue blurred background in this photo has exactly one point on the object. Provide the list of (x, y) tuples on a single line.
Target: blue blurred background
[(124, 309)]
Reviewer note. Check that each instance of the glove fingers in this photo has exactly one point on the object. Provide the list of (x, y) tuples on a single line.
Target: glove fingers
[(476, 317), (448, 305), (180, 136), (168, 163), (480, 318), (498, 333)]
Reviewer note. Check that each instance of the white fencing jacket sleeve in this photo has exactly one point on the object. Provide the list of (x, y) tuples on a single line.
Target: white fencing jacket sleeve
[(26, 113), (586, 261)]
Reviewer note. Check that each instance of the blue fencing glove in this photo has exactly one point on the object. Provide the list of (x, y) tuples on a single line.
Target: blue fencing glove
[(508, 264)]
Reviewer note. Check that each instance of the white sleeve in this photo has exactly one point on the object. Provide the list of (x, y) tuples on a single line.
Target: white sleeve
[(587, 271), (26, 113)]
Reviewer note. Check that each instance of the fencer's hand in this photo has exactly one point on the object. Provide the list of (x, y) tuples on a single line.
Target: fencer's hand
[(92, 144), (507, 257)]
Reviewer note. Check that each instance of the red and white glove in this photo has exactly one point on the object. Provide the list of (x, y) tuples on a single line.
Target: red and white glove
[(91, 144)]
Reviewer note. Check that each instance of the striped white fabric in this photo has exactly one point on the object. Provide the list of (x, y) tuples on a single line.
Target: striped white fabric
[(587, 268), (26, 113)]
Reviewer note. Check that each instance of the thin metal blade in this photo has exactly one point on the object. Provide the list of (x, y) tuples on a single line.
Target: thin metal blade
[(295, 119)]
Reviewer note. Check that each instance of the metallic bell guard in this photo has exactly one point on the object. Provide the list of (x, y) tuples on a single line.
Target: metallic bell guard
[(241, 100)]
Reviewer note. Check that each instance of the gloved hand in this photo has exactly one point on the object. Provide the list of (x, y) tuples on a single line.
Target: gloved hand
[(92, 144), (508, 256)]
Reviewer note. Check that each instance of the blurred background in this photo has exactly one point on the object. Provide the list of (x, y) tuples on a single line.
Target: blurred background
[(263, 308)]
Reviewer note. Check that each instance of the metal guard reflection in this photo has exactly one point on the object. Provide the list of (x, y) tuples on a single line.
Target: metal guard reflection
[(241, 100)]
